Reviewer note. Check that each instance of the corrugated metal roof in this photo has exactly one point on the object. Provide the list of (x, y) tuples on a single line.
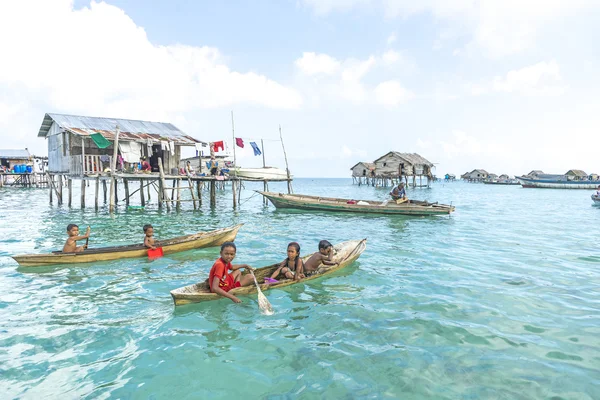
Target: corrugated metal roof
[(366, 164), (133, 130), (15, 154)]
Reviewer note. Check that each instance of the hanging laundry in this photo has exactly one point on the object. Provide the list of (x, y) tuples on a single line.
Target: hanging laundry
[(239, 142), (257, 151), (149, 144), (164, 145), (199, 146), (218, 145), (172, 147)]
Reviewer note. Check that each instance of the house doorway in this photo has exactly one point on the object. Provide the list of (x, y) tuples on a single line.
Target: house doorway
[(156, 152)]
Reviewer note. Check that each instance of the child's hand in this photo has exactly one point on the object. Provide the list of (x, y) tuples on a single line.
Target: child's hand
[(248, 268), (236, 300)]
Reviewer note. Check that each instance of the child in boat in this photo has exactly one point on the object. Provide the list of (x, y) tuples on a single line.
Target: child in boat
[(149, 238), (323, 256), (71, 243), (293, 266), (399, 193), (220, 281)]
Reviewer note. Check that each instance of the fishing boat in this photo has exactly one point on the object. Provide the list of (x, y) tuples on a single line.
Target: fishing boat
[(573, 179), (181, 243), (305, 202), (345, 254), (271, 173)]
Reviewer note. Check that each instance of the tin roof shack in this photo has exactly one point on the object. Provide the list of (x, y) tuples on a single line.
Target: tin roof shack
[(362, 169), (535, 173), (11, 157), (477, 175), (403, 165), (79, 145)]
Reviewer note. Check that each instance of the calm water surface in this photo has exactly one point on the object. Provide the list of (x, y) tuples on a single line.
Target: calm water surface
[(499, 301)]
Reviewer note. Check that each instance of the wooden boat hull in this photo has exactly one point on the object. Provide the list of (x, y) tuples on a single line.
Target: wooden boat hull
[(316, 203), (596, 199), (182, 243), (346, 254), (556, 183), (260, 173)]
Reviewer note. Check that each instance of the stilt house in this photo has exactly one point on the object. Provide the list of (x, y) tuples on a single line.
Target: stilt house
[(79, 145), (11, 157), (404, 166), (477, 175)]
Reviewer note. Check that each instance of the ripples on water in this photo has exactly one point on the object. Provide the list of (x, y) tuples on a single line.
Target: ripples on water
[(500, 300)]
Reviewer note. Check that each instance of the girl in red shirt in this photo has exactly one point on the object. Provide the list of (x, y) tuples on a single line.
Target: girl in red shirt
[(221, 281)]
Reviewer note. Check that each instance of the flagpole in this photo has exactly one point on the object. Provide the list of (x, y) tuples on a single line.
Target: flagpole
[(233, 135), (113, 168)]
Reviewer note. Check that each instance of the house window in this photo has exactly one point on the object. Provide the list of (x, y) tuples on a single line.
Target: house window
[(385, 164)]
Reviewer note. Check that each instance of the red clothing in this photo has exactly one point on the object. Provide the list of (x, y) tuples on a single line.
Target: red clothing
[(219, 270), (146, 166), (239, 142), (217, 145)]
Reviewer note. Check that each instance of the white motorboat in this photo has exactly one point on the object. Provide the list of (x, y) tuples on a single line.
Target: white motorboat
[(259, 173)]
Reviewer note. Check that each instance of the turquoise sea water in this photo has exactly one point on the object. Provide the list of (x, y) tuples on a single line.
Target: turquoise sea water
[(501, 300)]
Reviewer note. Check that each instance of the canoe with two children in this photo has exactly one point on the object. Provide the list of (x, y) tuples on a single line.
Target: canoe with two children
[(343, 255), (174, 245)]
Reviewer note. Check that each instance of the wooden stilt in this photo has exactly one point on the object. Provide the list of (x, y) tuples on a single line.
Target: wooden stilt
[(234, 194), (178, 193), (191, 186), (163, 185), (213, 194), (148, 187), (199, 192), (97, 193), (142, 200), (116, 192), (104, 189), (70, 189), (60, 190), (50, 187), (173, 191), (126, 187), (82, 193), (160, 194)]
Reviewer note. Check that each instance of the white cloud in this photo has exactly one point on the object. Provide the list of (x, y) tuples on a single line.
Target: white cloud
[(391, 39), (97, 60), (348, 152), (499, 27), (314, 64), (390, 57), (540, 79), (391, 93)]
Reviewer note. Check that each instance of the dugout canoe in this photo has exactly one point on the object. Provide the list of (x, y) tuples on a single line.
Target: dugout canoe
[(181, 243), (596, 199), (317, 203), (345, 254)]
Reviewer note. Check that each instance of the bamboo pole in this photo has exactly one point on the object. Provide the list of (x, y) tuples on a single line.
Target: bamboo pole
[(178, 193), (199, 192), (265, 185), (113, 168), (289, 180), (233, 182), (104, 189), (160, 193), (191, 186), (213, 195), (60, 190)]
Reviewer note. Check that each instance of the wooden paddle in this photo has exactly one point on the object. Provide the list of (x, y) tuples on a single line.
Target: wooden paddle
[(402, 200), (87, 240), (263, 302)]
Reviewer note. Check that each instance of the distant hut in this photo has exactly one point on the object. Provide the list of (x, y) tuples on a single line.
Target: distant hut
[(403, 166), (492, 177), (594, 177), (503, 177), (535, 173), (576, 175), (79, 145), (363, 172), (9, 158), (477, 175), (449, 177)]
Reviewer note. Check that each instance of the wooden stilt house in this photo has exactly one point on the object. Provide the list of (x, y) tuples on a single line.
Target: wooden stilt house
[(409, 167), (80, 145)]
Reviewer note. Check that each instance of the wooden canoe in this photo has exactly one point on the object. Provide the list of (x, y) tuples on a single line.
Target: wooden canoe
[(596, 198), (316, 203), (345, 254), (181, 243)]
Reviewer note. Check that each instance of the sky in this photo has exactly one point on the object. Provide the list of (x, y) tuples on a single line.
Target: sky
[(504, 85)]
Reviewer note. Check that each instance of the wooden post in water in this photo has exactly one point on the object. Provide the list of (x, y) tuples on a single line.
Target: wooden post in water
[(97, 193), (50, 185), (178, 194), (265, 185), (113, 168), (199, 192), (234, 163), (126, 187), (142, 200), (163, 185), (82, 192), (287, 168), (104, 189), (213, 195), (70, 189)]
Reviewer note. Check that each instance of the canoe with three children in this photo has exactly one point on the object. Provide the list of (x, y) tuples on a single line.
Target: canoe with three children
[(345, 253), (181, 243)]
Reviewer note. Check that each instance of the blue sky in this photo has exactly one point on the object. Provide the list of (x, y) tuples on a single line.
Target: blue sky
[(507, 86)]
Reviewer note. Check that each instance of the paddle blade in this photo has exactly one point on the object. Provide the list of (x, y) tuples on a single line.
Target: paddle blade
[(263, 304), (155, 253)]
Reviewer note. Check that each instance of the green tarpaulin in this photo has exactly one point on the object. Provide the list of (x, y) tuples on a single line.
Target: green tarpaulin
[(100, 140)]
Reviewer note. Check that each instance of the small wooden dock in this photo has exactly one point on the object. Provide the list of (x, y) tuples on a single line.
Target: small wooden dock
[(166, 189), (24, 179)]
